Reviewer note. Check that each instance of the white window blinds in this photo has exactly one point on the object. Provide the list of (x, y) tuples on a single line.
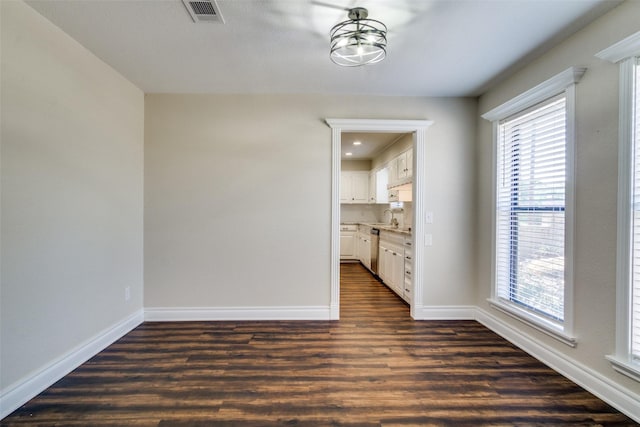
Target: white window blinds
[(635, 288), (530, 209)]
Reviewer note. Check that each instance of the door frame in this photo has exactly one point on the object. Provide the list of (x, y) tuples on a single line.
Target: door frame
[(418, 128)]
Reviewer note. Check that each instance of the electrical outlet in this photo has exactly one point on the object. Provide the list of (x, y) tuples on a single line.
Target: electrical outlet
[(127, 293)]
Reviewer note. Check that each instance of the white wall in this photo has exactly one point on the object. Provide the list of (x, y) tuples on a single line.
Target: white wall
[(596, 190), (237, 196), (355, 165), (72, 193)]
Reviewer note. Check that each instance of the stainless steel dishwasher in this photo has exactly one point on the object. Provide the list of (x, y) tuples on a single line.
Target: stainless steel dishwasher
[(375, 237)]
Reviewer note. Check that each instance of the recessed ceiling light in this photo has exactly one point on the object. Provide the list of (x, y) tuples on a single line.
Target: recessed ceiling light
[(348, 154), (357, 143)]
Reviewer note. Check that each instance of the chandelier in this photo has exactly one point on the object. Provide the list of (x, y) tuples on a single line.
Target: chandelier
[(358, 41)]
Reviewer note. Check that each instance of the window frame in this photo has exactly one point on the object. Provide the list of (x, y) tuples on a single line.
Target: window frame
[(626, 53), (563, 82)]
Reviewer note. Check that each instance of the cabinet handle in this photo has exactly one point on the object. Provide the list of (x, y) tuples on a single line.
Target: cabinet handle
[(408, 257), (408, 272), (407, 243)]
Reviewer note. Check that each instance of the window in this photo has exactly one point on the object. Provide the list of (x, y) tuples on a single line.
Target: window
[(626, 359), (531, 208), (533, 234), (635, 231)]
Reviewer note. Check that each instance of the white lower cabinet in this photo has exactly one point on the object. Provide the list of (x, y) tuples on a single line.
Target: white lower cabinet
[(348, 242), (383, 262), (397, 271), (391, 261), (364, 249), (394, 255)]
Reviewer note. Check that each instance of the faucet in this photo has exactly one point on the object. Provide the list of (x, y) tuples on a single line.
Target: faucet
[(394, 221)]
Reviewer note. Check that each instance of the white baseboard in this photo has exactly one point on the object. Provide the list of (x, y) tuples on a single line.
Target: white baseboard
[(334, 312), (168, 314), (620, 398), (463, 312), (24, 390)]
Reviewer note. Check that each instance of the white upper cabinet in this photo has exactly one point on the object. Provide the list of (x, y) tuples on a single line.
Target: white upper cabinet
[(372, 187), (382, 180), (354, 187), (401, 169), (392, 177), (378, 181), (401, 166)]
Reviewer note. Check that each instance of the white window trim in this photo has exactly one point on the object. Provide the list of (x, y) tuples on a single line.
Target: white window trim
[(562, 82), (623, 53)]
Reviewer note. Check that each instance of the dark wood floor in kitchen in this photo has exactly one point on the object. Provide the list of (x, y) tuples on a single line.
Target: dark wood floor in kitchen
[(373, 367)]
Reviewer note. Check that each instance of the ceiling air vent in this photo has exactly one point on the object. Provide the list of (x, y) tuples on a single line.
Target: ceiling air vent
[(204, 11)]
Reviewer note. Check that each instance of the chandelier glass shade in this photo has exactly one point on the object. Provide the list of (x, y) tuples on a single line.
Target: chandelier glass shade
[(358, 41)]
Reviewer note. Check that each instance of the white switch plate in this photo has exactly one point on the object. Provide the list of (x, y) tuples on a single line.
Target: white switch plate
[(428, 239), (428, 217)]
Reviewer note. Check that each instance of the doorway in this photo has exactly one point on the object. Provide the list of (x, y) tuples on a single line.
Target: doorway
[(417, 128)]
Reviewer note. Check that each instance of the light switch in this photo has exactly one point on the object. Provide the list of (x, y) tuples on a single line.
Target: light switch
[(428, 218), (428, 240)]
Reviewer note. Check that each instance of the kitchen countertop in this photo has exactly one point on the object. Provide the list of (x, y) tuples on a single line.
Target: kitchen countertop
[(385, 227)]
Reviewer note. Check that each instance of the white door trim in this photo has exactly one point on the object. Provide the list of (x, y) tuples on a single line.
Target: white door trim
[(418, 128)]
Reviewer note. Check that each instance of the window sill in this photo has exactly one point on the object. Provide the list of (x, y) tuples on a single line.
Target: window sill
[(538, 323), (625, 367)]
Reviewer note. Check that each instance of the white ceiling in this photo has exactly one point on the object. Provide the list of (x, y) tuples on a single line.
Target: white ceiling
[(435, 47), (371, 144)]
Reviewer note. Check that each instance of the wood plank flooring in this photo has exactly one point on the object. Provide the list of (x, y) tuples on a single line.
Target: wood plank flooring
[(374, 367)]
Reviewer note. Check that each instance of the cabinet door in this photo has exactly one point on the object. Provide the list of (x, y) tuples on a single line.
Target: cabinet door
[(382, 179), (409, 163), (393, 172), (365, 256), (345, 187), (401, 166), (382, 262), (388, 267), (347, 244), (398, 272), (354, 187), (360, 187), (372, 187)]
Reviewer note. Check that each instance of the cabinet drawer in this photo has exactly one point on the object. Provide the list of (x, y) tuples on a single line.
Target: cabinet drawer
[(407, 286), (348, 227), (392, 238)]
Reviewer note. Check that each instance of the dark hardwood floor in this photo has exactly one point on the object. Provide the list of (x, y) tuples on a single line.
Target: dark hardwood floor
[(374, 367)]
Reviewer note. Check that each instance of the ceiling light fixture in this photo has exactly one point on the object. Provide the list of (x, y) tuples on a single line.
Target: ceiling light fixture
[(357, 142), (348, 154), (358, 41)]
